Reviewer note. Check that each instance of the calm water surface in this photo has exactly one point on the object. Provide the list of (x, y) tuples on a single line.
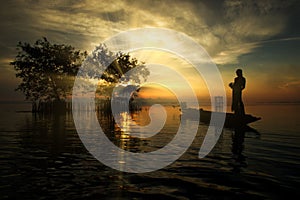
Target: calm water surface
[(42, 157)]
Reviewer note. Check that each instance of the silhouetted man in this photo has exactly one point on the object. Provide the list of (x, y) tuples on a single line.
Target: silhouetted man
[(237, 86)]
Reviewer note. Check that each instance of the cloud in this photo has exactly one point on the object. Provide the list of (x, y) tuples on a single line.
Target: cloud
[(285, 76), (90, 21), (246, 25), (290, 84)]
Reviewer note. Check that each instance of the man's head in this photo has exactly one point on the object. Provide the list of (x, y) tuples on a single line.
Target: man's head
[(239, 72)]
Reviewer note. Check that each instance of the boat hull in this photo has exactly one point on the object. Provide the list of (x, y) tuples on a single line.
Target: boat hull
[(231, 120)]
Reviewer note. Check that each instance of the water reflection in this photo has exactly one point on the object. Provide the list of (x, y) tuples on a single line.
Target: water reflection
[(123, 134), (42, 157), (47, 159), (238, 138)]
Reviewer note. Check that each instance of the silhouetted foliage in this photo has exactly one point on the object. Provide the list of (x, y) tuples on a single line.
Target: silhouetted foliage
[(47, 70), (118, 69)]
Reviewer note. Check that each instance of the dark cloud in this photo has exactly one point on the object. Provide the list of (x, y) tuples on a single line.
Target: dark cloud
[(115, 16)]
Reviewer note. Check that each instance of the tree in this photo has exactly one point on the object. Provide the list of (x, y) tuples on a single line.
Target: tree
[(119, 69), (47, 70)]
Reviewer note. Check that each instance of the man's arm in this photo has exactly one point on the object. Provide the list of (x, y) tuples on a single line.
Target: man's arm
[(244, 84)]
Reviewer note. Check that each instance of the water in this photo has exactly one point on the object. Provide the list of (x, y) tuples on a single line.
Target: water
[(42, 157)]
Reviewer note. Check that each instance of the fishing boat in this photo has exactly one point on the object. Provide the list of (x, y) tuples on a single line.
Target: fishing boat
[(231, 120)]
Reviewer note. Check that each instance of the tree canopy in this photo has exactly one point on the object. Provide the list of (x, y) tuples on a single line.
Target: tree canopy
[(47, 70), (119, 66)]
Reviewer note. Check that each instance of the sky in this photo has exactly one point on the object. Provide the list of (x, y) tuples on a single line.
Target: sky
[(261, 37)]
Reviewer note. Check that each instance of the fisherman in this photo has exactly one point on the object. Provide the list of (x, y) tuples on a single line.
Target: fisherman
[(237, 86)]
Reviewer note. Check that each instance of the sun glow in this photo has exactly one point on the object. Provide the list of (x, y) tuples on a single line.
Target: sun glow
[(176, 63)]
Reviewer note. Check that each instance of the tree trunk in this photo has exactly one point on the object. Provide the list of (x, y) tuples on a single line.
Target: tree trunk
[(54, 88), (33, 107)]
